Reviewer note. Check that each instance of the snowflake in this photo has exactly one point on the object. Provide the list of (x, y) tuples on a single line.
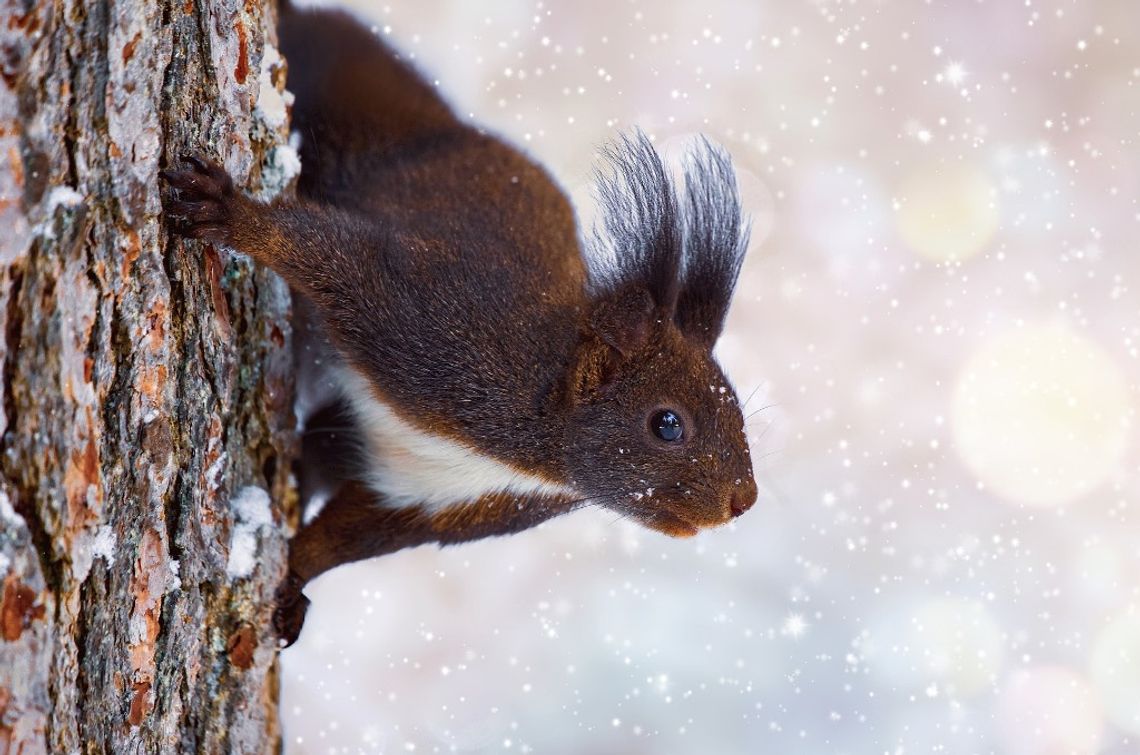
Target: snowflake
[(954, 73), (794, 626)]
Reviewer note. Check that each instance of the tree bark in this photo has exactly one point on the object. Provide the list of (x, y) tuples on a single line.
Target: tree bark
[(146, 395)]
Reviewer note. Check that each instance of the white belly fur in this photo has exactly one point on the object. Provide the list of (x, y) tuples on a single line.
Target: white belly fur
[(410, 466)]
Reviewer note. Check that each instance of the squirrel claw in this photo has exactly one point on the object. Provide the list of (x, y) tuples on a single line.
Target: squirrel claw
[(210, 169), (289, 615), (200, 204)]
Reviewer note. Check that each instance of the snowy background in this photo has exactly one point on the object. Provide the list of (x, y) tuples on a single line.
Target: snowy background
[(939, 319)]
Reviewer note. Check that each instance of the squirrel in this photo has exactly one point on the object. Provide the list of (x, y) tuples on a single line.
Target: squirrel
[(493, 367)]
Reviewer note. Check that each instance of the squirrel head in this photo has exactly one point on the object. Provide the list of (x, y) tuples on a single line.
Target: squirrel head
[(654, 429)]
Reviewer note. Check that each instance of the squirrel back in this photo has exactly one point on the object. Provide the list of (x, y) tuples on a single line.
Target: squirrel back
[(355, 101), (475, 223)]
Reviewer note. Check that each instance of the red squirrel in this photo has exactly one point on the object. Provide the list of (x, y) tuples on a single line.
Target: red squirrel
[(494, 369)]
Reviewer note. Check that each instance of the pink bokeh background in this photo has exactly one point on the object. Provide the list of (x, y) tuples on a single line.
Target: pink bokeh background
[(938, 327)]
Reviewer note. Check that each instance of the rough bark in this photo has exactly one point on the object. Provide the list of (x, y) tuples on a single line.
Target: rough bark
[(146, 396)]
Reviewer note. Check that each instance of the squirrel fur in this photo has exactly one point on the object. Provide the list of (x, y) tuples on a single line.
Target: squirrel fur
[(493, 368)]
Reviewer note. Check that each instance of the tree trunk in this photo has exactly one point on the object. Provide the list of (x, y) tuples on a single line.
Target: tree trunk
[(146, 396)]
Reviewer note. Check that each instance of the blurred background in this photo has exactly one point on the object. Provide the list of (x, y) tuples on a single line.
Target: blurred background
[(938, 332)]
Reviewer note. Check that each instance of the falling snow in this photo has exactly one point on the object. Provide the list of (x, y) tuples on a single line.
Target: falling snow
[(938, 316)]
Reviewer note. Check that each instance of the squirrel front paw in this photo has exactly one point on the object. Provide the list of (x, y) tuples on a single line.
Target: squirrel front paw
[(203, 200), (289, 614)]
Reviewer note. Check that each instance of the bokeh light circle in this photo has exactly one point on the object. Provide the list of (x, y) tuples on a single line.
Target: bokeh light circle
[(1049, 710), (961, 644), (1041, 415), (945, 645), (947, 212), (1115, 668)]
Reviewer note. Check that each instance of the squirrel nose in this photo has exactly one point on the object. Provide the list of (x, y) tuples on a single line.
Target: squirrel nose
[(742, 498)]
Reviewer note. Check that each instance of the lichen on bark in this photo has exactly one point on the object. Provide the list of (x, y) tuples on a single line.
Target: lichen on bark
[(145, 381)]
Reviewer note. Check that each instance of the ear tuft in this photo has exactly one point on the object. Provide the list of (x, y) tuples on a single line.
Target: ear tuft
[(684, 250), (639, 239), (716, 237)]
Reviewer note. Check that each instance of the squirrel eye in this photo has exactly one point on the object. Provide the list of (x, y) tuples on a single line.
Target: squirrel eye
[(667, 426)]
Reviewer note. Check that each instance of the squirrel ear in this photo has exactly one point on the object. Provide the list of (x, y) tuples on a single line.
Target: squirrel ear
[(593, 368), (622, 320), (618, 326)]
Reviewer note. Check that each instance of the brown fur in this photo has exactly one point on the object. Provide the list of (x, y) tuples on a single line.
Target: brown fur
[(446, 267)]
